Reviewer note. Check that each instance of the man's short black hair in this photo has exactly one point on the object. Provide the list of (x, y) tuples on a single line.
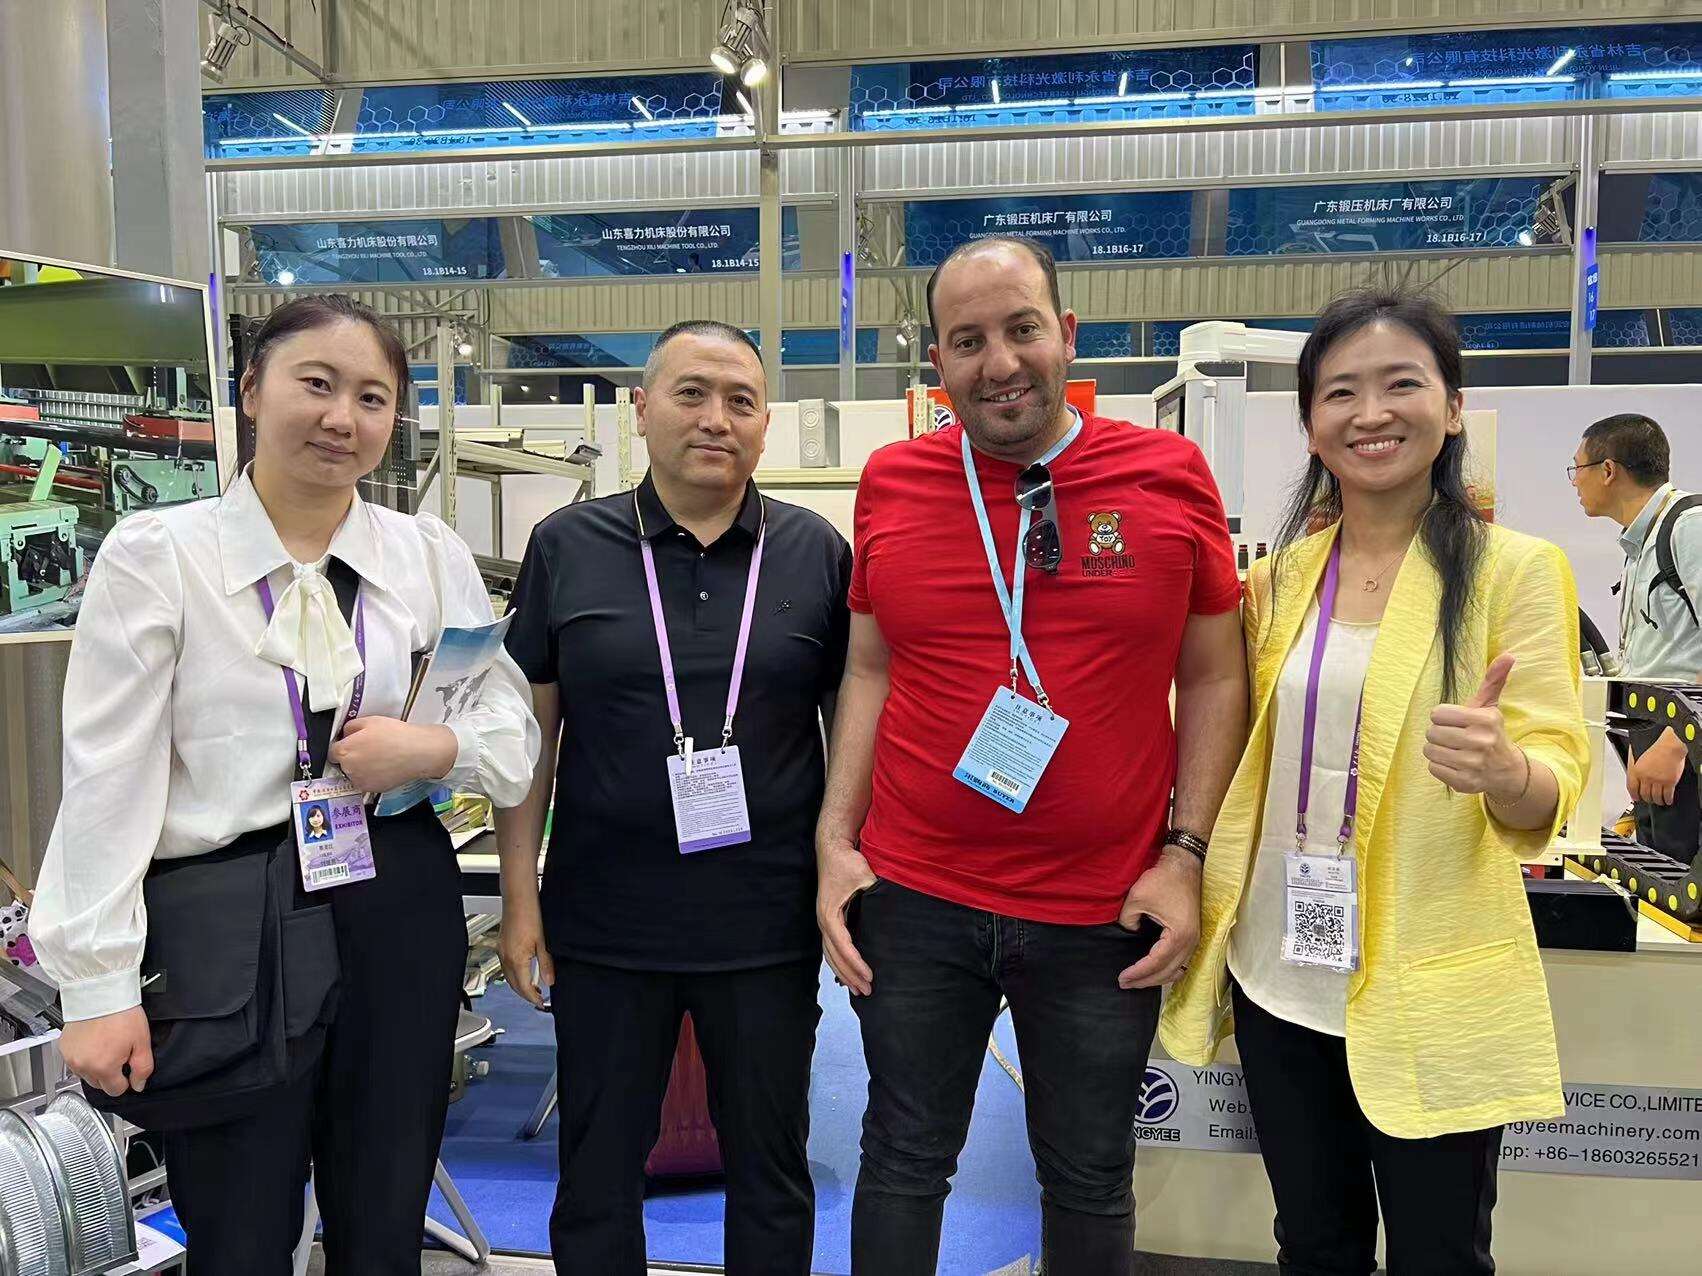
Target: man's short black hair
[(696, 328), (1634, 442), (1033, 247)]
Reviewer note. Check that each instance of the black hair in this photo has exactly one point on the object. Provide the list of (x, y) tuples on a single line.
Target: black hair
[(1033, 247), (696, 328), (318, 311), (1451, 529), (1635, 443)]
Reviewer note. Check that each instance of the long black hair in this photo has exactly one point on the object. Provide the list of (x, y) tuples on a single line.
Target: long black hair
[(1451, 529)]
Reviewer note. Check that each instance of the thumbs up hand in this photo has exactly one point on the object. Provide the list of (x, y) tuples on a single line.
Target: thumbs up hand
[(1467, 745)]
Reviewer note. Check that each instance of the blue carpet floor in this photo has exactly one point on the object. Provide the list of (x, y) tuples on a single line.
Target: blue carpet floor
[(992, 1215)]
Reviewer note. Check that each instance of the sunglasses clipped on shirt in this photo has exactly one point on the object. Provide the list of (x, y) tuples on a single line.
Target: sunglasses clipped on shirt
[(1041, 548)]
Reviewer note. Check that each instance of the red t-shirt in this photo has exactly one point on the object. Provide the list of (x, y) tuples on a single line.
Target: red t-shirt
[(1145, 544)]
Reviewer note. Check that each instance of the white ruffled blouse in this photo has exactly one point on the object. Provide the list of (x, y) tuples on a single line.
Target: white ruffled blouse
[(178, 737)]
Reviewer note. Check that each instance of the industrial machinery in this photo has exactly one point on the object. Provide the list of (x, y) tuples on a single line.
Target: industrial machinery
[(64, 1198), (1667, 890), (38, 546), (105, 409), (1206, 400)]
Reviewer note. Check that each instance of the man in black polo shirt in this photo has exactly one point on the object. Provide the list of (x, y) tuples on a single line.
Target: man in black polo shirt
[(661, 892)]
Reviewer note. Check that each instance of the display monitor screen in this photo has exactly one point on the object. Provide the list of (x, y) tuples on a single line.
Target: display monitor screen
[(106, 409)]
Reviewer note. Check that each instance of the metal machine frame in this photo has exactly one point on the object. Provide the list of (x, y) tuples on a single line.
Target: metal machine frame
[(1666, 890)]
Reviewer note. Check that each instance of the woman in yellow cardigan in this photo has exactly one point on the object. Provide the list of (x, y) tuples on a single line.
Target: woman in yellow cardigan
[(1363, 912)]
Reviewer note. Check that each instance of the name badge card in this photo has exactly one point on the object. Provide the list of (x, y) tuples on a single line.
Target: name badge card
[(331, 833), (709, 800), (1322, 911), (1011, 749)]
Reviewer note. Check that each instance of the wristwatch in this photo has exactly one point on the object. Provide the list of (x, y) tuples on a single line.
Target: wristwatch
[(1194, 844)]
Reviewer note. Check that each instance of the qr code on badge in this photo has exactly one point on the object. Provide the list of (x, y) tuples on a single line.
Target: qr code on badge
[(1320, 931)]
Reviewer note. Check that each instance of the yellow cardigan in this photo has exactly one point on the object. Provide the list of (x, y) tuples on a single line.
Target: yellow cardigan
[(1448, 1022)]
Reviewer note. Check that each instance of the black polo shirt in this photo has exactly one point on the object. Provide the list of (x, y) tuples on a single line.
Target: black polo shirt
[(616, 888)]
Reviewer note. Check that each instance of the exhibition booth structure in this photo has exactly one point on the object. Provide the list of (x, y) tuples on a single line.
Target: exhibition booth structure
[(107, 408)]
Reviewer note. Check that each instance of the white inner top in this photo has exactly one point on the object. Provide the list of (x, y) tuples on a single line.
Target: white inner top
[(1312, 996)]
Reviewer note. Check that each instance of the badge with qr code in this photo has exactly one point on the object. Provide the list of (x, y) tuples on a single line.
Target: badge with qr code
[(1322, 924)]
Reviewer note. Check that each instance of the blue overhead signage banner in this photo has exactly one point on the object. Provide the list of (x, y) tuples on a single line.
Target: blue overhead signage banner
[(1077, 228), (399, 118), (1540, 330), (1516, 65), (1672, 210), (1384, 217), (281, 122), (1122, 84), (693, 242), (379, 252), (798, 347), (414, 117), (819, 347), (582, 350)]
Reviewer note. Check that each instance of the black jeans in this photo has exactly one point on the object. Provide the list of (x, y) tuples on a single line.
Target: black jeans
[(1322, 1154), (939, 972), (616, 1031)]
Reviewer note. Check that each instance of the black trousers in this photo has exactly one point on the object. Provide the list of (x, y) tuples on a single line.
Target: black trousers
[(616, 1032), (940, 970), (1330, 1167), (368, 1111)]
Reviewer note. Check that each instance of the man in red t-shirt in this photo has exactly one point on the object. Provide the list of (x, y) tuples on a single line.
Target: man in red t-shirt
[(983, 836)]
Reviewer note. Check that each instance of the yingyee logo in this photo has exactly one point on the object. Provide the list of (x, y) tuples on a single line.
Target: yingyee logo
[(1159, 1098)]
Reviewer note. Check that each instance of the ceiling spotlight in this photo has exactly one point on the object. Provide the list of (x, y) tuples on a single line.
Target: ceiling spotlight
[(286, 278), (1526, 239), (464, 348), (525, 389), (225, 36), (741, 48), (754, 71)]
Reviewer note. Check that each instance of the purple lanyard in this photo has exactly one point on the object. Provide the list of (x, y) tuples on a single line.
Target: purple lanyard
[(1350, 805), (355, 694), (669, 682)]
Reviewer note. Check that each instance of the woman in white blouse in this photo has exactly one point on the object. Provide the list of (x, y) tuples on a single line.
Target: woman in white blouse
[(181, 729)]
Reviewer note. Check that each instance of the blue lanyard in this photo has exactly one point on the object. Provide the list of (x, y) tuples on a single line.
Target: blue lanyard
[(1011, 605)]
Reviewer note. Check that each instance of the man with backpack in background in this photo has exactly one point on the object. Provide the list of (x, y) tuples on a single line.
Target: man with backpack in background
[(1622, 471)]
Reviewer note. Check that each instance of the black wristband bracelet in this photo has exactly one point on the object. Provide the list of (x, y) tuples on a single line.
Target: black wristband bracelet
[(1190, 842)]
